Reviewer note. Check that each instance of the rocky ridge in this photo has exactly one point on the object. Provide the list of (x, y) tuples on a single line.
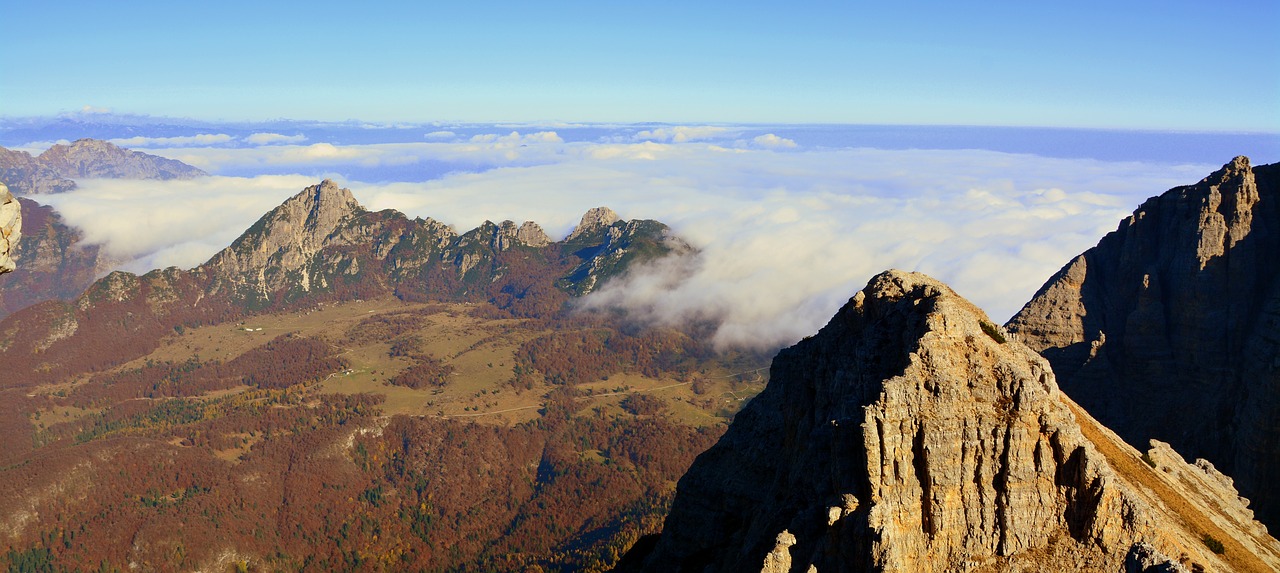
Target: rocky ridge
[(910, 435), (1168, 328), (10, 228), (53, 170)]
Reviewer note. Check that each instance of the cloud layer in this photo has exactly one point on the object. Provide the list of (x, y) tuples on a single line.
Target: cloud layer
[(786, 234)]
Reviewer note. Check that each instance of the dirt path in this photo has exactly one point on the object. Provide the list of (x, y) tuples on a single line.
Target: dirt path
[(1194, 518)]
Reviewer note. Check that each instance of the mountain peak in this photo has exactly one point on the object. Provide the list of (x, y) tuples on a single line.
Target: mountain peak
[(285, 239), (593, 220), (1166, 329), (910, 434)]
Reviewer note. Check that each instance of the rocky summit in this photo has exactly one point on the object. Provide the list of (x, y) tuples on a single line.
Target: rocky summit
[(1169, 328), (912, 434)]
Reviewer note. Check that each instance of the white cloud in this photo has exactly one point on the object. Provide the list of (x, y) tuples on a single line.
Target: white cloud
[(200, 139), (771, 141), (681, 133), (785, 237), (155, 224), (442, 135), (88, 109), (514, 138), (274, 138)]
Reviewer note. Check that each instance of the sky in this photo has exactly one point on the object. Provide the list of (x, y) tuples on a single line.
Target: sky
[(1169, 65)]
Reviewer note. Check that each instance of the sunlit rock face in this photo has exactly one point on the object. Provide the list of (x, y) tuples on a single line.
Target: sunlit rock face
[(1169, 328), (911, 434), (10, 228)]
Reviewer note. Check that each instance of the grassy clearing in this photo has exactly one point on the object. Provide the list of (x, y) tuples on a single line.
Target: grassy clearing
[(481, 352)]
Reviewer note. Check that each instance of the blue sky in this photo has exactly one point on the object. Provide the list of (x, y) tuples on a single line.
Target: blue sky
[(1148, 65)]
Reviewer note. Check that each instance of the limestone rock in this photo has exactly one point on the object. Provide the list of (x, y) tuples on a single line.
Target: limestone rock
[(276, 252), (10, 228), (593, 220), (940, 449), (531, 234), (779, 560), (1169, 328), (1143, 558)]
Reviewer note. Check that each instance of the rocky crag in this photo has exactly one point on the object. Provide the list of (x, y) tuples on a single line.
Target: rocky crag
[(910, 435), (10, 228), (1169, 328), (54, 170)]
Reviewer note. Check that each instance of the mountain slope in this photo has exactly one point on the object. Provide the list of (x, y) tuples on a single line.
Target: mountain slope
[(53, 170), (907, 435), (1169, 328)]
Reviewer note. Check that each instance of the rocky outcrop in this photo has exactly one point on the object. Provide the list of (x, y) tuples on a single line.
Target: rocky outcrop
[(1169, 328), (910, 435), (592, 221), (531, 234), (10, 228), (54, 170)]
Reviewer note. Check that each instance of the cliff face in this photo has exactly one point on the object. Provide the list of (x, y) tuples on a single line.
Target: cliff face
[(906, 436), (1169, 328), (10, 228)]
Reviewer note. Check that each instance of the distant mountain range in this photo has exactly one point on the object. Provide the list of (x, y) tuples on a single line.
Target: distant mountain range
[(54, 170)]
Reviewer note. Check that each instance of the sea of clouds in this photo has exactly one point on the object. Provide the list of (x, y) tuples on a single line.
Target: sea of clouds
[(786, 232)]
